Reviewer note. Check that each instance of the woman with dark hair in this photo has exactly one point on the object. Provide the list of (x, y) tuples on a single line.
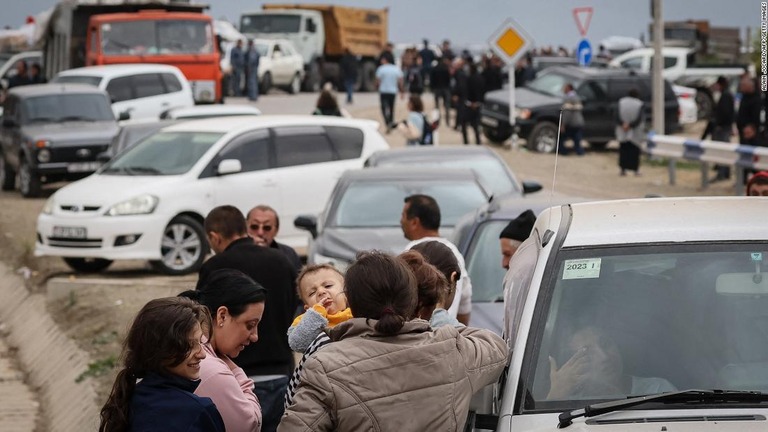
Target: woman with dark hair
[(236, 304), (443, 259), (382, 365), (167, 363), (327, 105)]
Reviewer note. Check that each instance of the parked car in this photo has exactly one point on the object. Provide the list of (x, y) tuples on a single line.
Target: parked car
[(8, 64), (149, 202), (539, 102), (280, 65), (52, 132), (137, 91), (492, 170), (131, 133), (208, 111), (364, 210), (660, 305)]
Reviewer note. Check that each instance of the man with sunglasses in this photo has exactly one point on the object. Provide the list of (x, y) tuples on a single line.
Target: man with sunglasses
[(263, 223)]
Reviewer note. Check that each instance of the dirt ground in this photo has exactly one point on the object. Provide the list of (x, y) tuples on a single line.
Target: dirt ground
[(97, 315)]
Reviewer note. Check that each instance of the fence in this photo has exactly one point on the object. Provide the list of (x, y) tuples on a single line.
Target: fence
[(738, 156)]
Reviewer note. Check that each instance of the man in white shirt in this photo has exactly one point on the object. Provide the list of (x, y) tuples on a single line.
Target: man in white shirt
[(420, 222)]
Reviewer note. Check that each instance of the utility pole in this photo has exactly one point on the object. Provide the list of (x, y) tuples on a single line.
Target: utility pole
[(658, 80)]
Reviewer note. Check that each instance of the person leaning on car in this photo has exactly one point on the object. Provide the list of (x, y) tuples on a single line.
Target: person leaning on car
[(573, 120)]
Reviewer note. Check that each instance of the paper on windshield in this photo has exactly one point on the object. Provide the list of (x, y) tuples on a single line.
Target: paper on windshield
[(587, 268)]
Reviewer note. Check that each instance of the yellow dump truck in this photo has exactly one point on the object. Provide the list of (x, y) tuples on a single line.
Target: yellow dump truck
[(321, 33)]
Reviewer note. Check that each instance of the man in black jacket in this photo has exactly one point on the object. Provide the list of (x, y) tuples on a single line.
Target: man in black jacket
[(720, 126), (440, 83), (749, 108), (269, 361), (349, 67)]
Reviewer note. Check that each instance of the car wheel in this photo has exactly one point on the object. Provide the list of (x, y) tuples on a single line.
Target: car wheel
[(543, 138), (266, 83), (29, 181), (295, 86), (312, 78), (496, 136), (183, 247), (88, 265), (704, 105), (7, 175), (368, 74)]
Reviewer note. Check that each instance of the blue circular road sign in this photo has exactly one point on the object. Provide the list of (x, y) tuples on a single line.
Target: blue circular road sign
[(584, 52)]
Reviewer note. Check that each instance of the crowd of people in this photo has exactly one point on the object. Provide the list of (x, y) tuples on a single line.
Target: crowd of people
[(390, 332)]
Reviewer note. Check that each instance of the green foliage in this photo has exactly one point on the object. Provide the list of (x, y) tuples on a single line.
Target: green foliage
[(97, 368)]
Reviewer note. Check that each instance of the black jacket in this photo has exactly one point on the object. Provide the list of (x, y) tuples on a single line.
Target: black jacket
[(723, 114), (270, 268), (749, 111), (348, 65), (493, 78), (460, 85), (440, 77), (475, 88), (289, 253)]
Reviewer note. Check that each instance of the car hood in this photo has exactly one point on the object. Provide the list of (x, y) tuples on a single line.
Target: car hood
[(636, 420), (345, 243), (101, 190), (524, 98), (75, 132), (488, 315)]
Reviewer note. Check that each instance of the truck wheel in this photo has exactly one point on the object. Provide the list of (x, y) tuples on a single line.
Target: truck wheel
[(7, 175), (368, 73), (543, 137), (704, 104), (29, 182), (183, 247), (87, 265), (295, 86), (266, 83), (496, 136)]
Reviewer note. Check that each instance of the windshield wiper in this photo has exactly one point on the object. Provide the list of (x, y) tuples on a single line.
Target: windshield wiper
[(40, 120), (75, 118), (684, 396), (141, 170)]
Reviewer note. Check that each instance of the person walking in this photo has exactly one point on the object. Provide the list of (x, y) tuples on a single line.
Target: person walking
[(358, 381), (236, 306), (459, 90), (269, 361), (475, 98), (153, 392), (720, 125), (349, 70), (389, 81), (573, 120), (263, 225), (440, 83), (630, 131), (427, 57), (416, 128), (237, 61), (252, 58)]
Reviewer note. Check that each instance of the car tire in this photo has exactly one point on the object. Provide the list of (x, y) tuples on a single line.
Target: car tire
[(29, 182), (183, 247), (312, 78), (88, 265), (368, 74), (7, 175), (543, 137), (266, 83), (496, 136), (295, 86)]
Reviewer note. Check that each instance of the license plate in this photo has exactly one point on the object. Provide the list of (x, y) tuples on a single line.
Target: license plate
[(83, 166), (70, 232), (489, 121)]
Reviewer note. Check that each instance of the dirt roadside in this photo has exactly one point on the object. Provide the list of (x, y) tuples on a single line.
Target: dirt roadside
[(97, 313)]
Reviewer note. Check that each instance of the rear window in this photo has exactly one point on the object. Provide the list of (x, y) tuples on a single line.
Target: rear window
[(172, 83), (77, 79), (347, 141)]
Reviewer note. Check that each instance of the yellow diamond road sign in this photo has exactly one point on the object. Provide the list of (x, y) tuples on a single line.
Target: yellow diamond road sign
[(510, 41)]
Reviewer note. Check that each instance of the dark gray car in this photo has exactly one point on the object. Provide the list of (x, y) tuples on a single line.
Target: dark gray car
[(364, 210), (53, 132)]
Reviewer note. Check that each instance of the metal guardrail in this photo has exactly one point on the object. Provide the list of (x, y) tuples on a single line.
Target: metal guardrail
[(738, 156)]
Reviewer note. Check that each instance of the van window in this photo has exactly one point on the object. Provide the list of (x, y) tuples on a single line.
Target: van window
[(147, 85), (619, 88), (591, 91), (348, 142), (632, 63), (251, 149), (120, 89), (172, 84), (302, 146)]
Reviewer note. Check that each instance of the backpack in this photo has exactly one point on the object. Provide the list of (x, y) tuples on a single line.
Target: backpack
[(427, 130)]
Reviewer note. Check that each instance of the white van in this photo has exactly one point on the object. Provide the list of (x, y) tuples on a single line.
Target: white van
[(149, 202), (137, 91), (638, 315)]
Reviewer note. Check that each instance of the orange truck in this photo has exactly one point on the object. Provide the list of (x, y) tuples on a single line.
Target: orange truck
[(169, 32)]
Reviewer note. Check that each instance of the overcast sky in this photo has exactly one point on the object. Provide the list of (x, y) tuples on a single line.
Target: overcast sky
[(548, 22)]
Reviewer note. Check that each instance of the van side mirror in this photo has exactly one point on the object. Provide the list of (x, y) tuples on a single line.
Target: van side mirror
[(311, 28), (307, 223), (125, 115), (229, 166), (531, 187)]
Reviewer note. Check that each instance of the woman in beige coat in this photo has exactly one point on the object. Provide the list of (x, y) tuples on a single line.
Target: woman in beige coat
[(386, 373)]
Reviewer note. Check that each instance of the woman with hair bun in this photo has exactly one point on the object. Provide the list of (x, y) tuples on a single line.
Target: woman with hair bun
[(383, 364)]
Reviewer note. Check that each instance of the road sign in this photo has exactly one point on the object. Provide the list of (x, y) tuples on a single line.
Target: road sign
[(584, 52), (509, 41), (583, 16)]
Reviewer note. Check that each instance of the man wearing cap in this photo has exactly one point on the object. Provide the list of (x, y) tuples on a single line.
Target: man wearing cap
[(514, 234), (758, 184)]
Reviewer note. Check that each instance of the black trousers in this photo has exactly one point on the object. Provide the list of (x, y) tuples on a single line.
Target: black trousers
[(471, 117), (387, 107)]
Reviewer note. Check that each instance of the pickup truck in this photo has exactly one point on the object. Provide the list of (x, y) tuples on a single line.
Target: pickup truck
[(681, 68)]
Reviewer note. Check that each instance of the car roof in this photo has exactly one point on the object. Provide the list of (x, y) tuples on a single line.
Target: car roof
[(579, 72), (650, 220), (431, 152), (649, 51), (238, 124), (55, 88), (217, 110), (119, 69), (400, 173)]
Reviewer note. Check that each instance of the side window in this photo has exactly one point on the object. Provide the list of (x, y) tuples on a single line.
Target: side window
[(172, 84), (591, 91), (252, 150), (669, 62), (120, 89), (310, 26), (301, 146), (147, 85), (348, 142), (632, 63), (618, 88)]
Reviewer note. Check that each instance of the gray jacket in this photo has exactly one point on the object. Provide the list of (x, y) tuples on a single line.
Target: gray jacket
[(572, 116), (630, 110)]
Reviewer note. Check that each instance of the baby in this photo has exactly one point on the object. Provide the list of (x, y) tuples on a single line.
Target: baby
[(321, 288)]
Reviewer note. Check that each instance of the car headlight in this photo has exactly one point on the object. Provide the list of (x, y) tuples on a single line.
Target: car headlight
[(339, 263), (523, 114), (143, 204), (49, 205)]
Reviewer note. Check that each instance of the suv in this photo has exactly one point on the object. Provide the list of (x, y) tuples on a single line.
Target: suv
[(538, 105), (137, 90), (52, 132)]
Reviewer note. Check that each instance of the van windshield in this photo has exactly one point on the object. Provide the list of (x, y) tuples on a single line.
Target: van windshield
[(66, 107), (551, 83), (270, 23), (638, 321), (157, 37), (164, 153)]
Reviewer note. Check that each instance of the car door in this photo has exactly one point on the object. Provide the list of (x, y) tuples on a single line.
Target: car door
[(256, 183), (597, 115)]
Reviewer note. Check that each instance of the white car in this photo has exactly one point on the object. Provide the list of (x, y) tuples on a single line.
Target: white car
[(280, 65), (149, 202), (686, 99), (208, 111), (137, 91), (638, 315)]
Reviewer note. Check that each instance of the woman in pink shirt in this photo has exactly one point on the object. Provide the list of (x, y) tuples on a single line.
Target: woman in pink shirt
[(236, 304)]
